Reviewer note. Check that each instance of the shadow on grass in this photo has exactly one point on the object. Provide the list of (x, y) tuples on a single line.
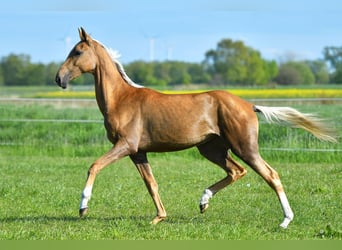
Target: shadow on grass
[(45, 218), (41, 218), (144, 219)]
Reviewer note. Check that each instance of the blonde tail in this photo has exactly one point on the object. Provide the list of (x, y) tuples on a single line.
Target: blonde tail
[(294, 118)]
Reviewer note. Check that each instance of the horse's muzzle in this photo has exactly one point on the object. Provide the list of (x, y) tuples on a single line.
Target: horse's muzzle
[(61, 82)]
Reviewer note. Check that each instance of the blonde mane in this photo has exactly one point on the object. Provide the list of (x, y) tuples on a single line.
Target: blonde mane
[(115, 55)]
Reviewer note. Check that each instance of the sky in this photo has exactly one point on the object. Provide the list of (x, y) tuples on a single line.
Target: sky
[(170, 30)]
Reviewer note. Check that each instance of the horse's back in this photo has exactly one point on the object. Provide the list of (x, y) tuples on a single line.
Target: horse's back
[(216, 107)]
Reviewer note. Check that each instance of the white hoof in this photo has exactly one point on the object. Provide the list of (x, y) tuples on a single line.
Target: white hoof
[(207, 194), (285, 223)]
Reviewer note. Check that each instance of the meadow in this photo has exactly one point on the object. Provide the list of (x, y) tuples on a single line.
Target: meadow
[(45, 152)]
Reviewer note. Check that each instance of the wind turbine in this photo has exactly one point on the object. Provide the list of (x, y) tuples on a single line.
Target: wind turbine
[(151, 43)]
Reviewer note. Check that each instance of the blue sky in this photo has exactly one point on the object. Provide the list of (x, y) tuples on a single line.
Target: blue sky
[(177, 30)]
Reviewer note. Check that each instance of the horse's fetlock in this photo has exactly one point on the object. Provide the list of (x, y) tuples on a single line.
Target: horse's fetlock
[(277, 183)]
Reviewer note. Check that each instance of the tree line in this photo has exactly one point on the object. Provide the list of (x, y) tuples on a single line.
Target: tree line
[(230, 63)]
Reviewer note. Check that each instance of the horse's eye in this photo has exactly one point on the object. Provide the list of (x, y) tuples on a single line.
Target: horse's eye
[(77, 53)]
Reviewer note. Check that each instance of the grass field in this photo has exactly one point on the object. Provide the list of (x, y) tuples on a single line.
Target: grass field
[(45, 152)]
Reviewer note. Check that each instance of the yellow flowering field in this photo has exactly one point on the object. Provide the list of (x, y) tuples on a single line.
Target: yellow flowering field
[(65, 94), (289, 93), (245, 93)]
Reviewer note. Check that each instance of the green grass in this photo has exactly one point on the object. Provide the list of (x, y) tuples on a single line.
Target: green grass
[(40, 197), (44, 164)]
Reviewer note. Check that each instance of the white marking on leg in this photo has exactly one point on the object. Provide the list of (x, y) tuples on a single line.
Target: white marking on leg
[(207, 194), (86, 195), (288, 214)]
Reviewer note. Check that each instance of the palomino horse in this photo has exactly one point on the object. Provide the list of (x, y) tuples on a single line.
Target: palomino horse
[(140, 120)]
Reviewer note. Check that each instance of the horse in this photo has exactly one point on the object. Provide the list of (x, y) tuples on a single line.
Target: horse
[(139, 120)]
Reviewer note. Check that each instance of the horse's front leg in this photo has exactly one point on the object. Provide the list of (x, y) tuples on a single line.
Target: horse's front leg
[(140, 161), (120, 150)]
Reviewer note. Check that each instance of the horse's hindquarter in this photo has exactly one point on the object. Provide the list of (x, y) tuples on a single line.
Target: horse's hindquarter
[(174, 122), (237, 121)]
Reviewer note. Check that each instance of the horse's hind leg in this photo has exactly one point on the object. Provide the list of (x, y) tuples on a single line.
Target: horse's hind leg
[(140, 161), (273, 180), (216, 152)]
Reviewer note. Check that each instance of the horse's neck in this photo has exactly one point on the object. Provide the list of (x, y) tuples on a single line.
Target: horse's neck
[(108, 84)]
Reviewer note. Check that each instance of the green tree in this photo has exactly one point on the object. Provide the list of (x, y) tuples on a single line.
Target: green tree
[(198, 73), (13, 69), (178, 73), (233, 62), (336, 76), (320, 71), (1, 76), (295, 73), (260, 71), (18, 70), (271, 70), (230, 60), (166, 73), (161, 73), (34, 74), (288, 75), (255, 69), (333, 55), (141, 72)]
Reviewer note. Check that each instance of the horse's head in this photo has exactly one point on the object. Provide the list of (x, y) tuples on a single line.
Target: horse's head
[(81, 59)]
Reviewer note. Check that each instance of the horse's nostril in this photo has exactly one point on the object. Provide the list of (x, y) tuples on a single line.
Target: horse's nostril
[(58, 79)]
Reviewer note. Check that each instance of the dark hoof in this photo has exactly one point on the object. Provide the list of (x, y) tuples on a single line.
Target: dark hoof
[(83, 211), (203, 207)]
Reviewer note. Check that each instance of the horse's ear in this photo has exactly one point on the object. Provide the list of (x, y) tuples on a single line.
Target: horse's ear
[(83, 35)]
